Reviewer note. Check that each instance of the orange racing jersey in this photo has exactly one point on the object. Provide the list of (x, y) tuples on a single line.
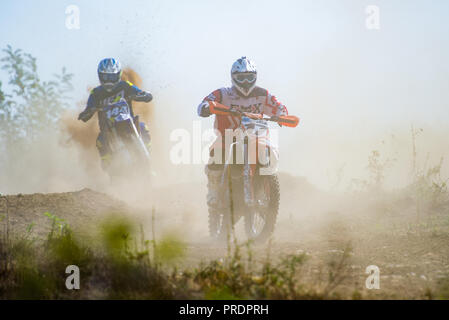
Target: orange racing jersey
[(259, 101)]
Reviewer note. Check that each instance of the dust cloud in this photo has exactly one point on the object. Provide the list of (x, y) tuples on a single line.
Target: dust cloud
[(67, 160)]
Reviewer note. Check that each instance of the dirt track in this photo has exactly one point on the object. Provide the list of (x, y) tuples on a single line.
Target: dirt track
[(412, 254)]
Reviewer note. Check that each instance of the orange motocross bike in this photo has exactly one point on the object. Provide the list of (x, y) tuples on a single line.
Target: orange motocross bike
[(250, 184)]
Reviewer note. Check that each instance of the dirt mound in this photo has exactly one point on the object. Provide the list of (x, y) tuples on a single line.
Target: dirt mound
[(411, 253), (79, 209)]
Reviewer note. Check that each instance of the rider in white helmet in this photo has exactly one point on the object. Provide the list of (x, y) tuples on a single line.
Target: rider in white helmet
[(244, 95), (111, 89)]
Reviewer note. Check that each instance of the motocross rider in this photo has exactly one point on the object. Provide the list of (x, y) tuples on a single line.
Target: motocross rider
[(244, 95), (111, 90)]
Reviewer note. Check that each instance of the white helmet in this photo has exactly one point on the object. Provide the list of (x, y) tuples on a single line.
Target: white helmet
[(244, 75), (109, 73)]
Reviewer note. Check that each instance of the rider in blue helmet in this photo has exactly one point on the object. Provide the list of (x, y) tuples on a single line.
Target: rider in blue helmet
[(112, 88)]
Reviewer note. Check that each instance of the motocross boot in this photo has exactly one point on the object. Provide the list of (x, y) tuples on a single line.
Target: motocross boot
[(104, 152)]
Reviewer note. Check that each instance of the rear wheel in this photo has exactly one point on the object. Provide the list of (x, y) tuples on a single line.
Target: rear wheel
[(261, 219)]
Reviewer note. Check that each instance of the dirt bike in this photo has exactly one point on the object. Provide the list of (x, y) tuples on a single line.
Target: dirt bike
[(251, 189), (129, 153)]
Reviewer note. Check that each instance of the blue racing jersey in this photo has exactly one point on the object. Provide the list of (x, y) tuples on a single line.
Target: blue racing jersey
[(99, 98)]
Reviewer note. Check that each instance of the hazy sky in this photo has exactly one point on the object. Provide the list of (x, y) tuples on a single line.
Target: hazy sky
[(347, 83)]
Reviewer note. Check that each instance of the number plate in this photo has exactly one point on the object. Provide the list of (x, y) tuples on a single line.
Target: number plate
[(118, 111)]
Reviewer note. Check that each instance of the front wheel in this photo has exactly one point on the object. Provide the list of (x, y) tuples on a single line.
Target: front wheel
[(219, 225), (261, 218)]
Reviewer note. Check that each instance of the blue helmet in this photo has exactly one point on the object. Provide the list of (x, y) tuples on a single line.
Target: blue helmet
[(109, 73)]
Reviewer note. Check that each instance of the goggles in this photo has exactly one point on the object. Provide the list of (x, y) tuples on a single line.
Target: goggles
[(245, 77), (109, 77)]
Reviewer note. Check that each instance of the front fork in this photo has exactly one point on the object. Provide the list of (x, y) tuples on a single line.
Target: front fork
[(248, 186)]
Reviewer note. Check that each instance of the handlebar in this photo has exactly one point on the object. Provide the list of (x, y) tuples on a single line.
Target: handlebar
[(218, 108)]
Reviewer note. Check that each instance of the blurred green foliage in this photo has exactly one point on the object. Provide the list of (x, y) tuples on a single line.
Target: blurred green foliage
[(119, 263), (31, 105)]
